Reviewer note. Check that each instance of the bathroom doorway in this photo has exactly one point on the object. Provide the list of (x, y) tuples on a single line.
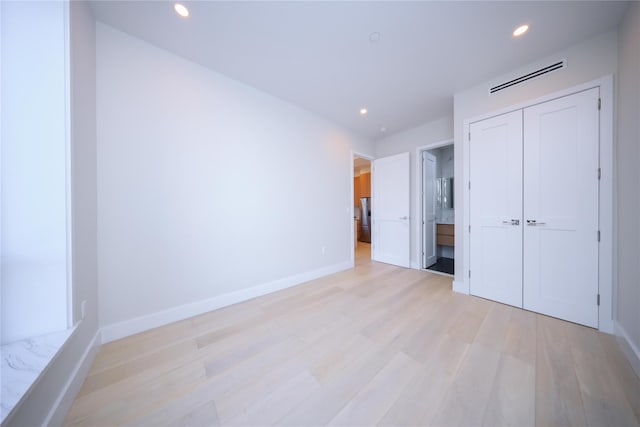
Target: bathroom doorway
[(437, 209)]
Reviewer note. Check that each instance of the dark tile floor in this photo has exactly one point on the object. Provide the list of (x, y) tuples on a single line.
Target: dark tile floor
[(443, 265)]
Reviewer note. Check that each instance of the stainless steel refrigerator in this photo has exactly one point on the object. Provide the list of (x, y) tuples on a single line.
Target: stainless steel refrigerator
[(365, 219)]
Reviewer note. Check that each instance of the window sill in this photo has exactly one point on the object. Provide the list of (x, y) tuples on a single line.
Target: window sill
[(23, 364)]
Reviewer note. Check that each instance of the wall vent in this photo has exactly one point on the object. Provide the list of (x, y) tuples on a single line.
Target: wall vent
[(532, 75)]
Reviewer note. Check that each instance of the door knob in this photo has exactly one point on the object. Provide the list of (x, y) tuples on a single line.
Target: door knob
[(533, 222), (512, 222)]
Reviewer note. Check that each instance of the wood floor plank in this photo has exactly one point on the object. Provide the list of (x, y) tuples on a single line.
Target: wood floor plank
[(271, 407), (186, 410), (376, 344), (374, 400), (558, 397), (233, 404), (324, 404), (493, 330), (621, 368), (421, 398), (512, 398), (602, 393), (469, 393), (520, 340)]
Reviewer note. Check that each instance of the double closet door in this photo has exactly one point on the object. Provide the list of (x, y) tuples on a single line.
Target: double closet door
[(534, 208)]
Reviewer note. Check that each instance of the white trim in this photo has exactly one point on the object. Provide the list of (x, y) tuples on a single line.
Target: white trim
[(72, 387), (605, 279), (606, 205), (460, 287), (418, 191), (143, 323), (439, 273), (355, 154), (67, 159), (628, 347)]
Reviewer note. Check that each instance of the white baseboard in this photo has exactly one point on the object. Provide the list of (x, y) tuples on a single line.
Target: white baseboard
[(416, 265), (72, 387), (143, 323), (460, 287), (629, 348)]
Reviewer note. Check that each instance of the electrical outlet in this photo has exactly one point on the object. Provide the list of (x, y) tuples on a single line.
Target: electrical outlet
[(83, 309)]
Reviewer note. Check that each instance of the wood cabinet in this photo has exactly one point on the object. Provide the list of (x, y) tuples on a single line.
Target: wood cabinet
[(361, 187), (444, 234), (365, 185)]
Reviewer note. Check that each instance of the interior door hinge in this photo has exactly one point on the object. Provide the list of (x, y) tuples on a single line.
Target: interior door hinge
[(599, 173), (469, 135), (598, 299), (469, 185), (599, 104), (598, 235), (469, 229), (469, 273)]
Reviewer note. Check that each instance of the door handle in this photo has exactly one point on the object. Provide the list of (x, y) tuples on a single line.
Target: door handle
[(403, 218), (512, 222), (533, 222)]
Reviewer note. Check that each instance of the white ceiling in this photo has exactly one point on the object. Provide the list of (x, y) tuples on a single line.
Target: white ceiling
[(318, 55)]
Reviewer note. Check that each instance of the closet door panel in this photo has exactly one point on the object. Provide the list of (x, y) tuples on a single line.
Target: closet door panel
[(561, 208), (496, 208)]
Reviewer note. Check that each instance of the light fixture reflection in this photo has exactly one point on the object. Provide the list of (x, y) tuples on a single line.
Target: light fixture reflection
[(520, 30), (181, 9)]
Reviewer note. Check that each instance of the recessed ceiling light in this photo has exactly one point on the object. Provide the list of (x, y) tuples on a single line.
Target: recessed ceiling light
[(383, 129), (363, 111), (520, 30), (181, 10)]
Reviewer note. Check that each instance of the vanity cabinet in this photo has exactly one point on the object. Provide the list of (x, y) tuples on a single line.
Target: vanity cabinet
[(444, 234)]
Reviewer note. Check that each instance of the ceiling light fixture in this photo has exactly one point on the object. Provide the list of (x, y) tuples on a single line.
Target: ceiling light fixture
[(383, 129), (374, 37), (363, 111), (520, 30), (181, 9)]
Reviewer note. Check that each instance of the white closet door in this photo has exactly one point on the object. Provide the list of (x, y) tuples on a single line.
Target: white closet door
[(429, 249), (561, 196), (390, 210), (496, 208)]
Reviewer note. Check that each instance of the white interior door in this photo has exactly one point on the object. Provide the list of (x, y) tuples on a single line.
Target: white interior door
[(561, 208), (390, 210), (496, 208), (429, 249)]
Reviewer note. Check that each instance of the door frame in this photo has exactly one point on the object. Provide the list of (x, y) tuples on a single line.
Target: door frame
[(419, 245), (352, 164), (606, 193)]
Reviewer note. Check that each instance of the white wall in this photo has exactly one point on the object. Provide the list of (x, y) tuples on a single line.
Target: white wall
[(409, 141), (207, 187), (627, 313), (34, 147), (52, 396), (587, 61)]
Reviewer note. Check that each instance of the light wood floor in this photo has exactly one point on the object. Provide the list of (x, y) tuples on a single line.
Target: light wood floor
[(376, 344)]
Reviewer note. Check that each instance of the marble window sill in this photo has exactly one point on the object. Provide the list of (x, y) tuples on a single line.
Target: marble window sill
[(23, 364)]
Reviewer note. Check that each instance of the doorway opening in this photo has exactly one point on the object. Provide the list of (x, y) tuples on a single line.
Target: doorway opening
[(363, 229), (438, 210)]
